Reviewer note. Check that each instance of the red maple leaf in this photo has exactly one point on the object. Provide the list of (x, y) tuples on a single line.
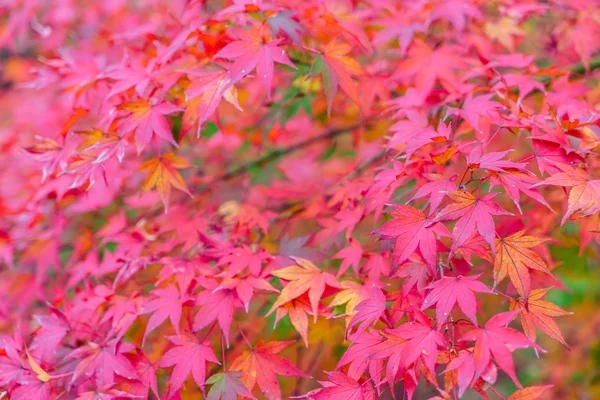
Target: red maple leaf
[(411, 228), (448, 291), (168, 303), (368, 312), (358, 356), (421, 341), (244, 257), (434, 191), (189, 356), (492, 161), (496, 340), (253, 51), (474, 108), (351, 256), (102, 361), (342, 387), (472, 213), (146, 120), (216, 305)]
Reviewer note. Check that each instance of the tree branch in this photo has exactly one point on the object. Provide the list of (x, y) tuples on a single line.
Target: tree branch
[(275, 154)]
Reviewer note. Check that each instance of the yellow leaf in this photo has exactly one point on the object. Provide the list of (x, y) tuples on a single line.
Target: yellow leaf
[(35, 367)]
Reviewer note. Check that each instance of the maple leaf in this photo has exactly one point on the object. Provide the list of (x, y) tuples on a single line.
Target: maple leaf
[(42, 375), (352, 294), (474, 108), (253, 51), (427, 65), (421, 341), (411, 229), (168, 303), (261, 365), (53, 328), (584, 195), (102, 361), (377, 265), (351, 256), (359, 356), (204, 94), (146, 120), (399, 26), (106, 394), (515, 259), (368, 312), (51, 154), (455, 11), (130, 74), (147, 372), (448, 291), (514, 182), (496, 340), (434, 191), (337, 69), (189, 356), (391, 349), (503, 31), (216, 305), (297, 310), (162, 174), (538, 312), (492, 161), (475, 245), (227, 386), (416, 272), (244, 257), (412, 133), (282, 21), (465, 365), (342, 387), (245, 287), (303, 277), (529, 393), (31, 388), (389, 179), (472, 213), (550, 153)]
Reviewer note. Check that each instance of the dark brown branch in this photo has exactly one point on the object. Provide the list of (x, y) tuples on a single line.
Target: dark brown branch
[(275, 154)]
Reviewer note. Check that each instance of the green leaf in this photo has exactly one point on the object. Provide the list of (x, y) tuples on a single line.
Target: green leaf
[(208, 130)]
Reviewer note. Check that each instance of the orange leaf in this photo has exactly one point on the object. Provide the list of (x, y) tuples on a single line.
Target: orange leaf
[(261, 365), (515, 259), (303, 277), (530, 393), (77, 114), (538, 312), (441, 159), (339, 69), (162, 174)]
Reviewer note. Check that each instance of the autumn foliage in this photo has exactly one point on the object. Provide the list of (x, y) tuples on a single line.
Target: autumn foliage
[(345, 199)]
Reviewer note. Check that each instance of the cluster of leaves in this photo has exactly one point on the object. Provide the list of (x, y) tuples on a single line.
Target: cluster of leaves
[(390, 170)]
